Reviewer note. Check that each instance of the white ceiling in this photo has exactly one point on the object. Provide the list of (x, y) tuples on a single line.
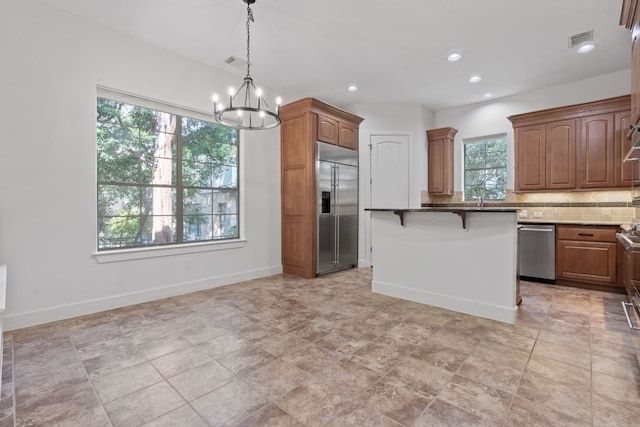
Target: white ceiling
[(395, 51)]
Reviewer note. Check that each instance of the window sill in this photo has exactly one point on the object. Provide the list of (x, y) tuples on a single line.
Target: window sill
[(161, 251)]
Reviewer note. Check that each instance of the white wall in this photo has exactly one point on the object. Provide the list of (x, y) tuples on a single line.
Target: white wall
[(51, 64), (490, 118), (413, 120)]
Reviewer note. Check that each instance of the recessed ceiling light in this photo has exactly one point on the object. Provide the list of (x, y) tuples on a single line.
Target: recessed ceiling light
[(454, 56), (474, 78), (352, 88), (586, 47), (487, 95)]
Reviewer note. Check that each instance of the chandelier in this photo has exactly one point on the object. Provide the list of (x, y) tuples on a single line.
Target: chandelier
[(247, 109)]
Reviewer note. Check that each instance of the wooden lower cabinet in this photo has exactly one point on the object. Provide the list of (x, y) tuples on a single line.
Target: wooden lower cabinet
[(587, 254), (587, 261)]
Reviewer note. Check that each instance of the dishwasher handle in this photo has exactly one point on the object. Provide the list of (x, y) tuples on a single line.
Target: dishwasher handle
[(543, 230)]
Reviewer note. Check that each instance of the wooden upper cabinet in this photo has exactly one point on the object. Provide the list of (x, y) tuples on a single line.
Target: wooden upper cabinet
[(635, 83), (530, 158), (560, 152), (630, 14), (546, 156), (328, 129), (347, 136), (623, 171), (336, 132), (597, 151), (573, 147), (440, 161), (630, 19)]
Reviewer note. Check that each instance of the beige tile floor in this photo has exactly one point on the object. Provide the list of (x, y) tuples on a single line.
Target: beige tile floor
[(284, 351)]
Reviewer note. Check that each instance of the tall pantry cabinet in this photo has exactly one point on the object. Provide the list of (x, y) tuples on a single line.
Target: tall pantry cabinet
[(303, 123)]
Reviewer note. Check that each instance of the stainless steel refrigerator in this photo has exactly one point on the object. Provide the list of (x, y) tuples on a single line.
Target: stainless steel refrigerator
[(337, 207)]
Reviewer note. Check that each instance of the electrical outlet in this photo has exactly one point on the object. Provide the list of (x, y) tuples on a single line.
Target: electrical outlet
[(523, 213), (187, 263), (537, 215)]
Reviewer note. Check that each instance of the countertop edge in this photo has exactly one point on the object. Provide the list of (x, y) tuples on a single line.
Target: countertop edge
[(451, 209), (574, 222)]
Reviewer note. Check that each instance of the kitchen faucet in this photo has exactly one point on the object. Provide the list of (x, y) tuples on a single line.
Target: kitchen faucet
[(480, 202)]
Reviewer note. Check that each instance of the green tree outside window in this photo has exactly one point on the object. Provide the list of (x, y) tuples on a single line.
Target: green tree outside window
[(163, 178), (485, 168)]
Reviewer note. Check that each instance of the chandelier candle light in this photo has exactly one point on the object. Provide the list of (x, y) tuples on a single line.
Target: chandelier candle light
[(252, 112)]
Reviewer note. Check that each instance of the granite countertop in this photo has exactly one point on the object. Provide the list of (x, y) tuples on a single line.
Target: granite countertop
[(485, 209), (460, 211), (570, 222), (445, 209)]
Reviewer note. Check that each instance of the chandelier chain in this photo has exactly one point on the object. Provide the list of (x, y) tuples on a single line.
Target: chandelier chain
[(249, 19)]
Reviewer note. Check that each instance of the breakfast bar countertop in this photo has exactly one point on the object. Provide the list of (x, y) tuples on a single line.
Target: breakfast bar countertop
[(460, 211), (446, 209)]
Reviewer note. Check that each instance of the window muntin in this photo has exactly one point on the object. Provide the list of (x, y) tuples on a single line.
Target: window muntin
[(485, 168), (163, 178)]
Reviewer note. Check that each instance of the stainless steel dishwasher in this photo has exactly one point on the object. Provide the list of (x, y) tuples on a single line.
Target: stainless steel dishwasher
[(537, 252)]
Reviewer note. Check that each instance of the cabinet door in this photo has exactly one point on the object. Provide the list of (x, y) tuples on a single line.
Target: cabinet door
[(530, 158), (560, 148), (327, 129), (597, 151), (298, 196), (440, 167), (622, 146), (635, 80), (586, 261), (347, 136)]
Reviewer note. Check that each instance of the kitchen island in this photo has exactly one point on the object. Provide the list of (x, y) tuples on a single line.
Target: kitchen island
[(461, 259)]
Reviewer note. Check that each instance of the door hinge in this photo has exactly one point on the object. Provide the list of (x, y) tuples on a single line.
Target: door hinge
[(370, 146)]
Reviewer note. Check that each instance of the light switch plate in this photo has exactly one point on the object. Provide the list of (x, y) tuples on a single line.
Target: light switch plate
[(537, 215), (523, 213)]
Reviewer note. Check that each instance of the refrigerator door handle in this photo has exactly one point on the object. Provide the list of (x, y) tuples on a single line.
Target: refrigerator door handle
[(337, 217)]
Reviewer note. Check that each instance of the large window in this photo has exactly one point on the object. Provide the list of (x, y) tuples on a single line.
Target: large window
[(485, 168), (163, 178)]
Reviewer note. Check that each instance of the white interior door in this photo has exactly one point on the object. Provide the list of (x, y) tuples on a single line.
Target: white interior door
[(389, 173)]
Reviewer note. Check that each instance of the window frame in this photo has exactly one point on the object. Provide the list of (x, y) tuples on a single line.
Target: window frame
[(174, 248), (484, 139)]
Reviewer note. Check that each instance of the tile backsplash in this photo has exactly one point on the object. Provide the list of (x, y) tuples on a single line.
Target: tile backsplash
[(581, 206)]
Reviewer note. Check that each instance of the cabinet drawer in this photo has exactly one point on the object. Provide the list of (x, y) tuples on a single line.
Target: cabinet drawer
[(587, 234)]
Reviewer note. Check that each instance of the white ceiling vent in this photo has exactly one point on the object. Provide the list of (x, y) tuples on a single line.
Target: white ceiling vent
[(236, 62), (580, 38)]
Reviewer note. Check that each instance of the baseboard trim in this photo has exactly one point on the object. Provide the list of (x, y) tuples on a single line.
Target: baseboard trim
[(38, 317), (364, 263), (475, 308)]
